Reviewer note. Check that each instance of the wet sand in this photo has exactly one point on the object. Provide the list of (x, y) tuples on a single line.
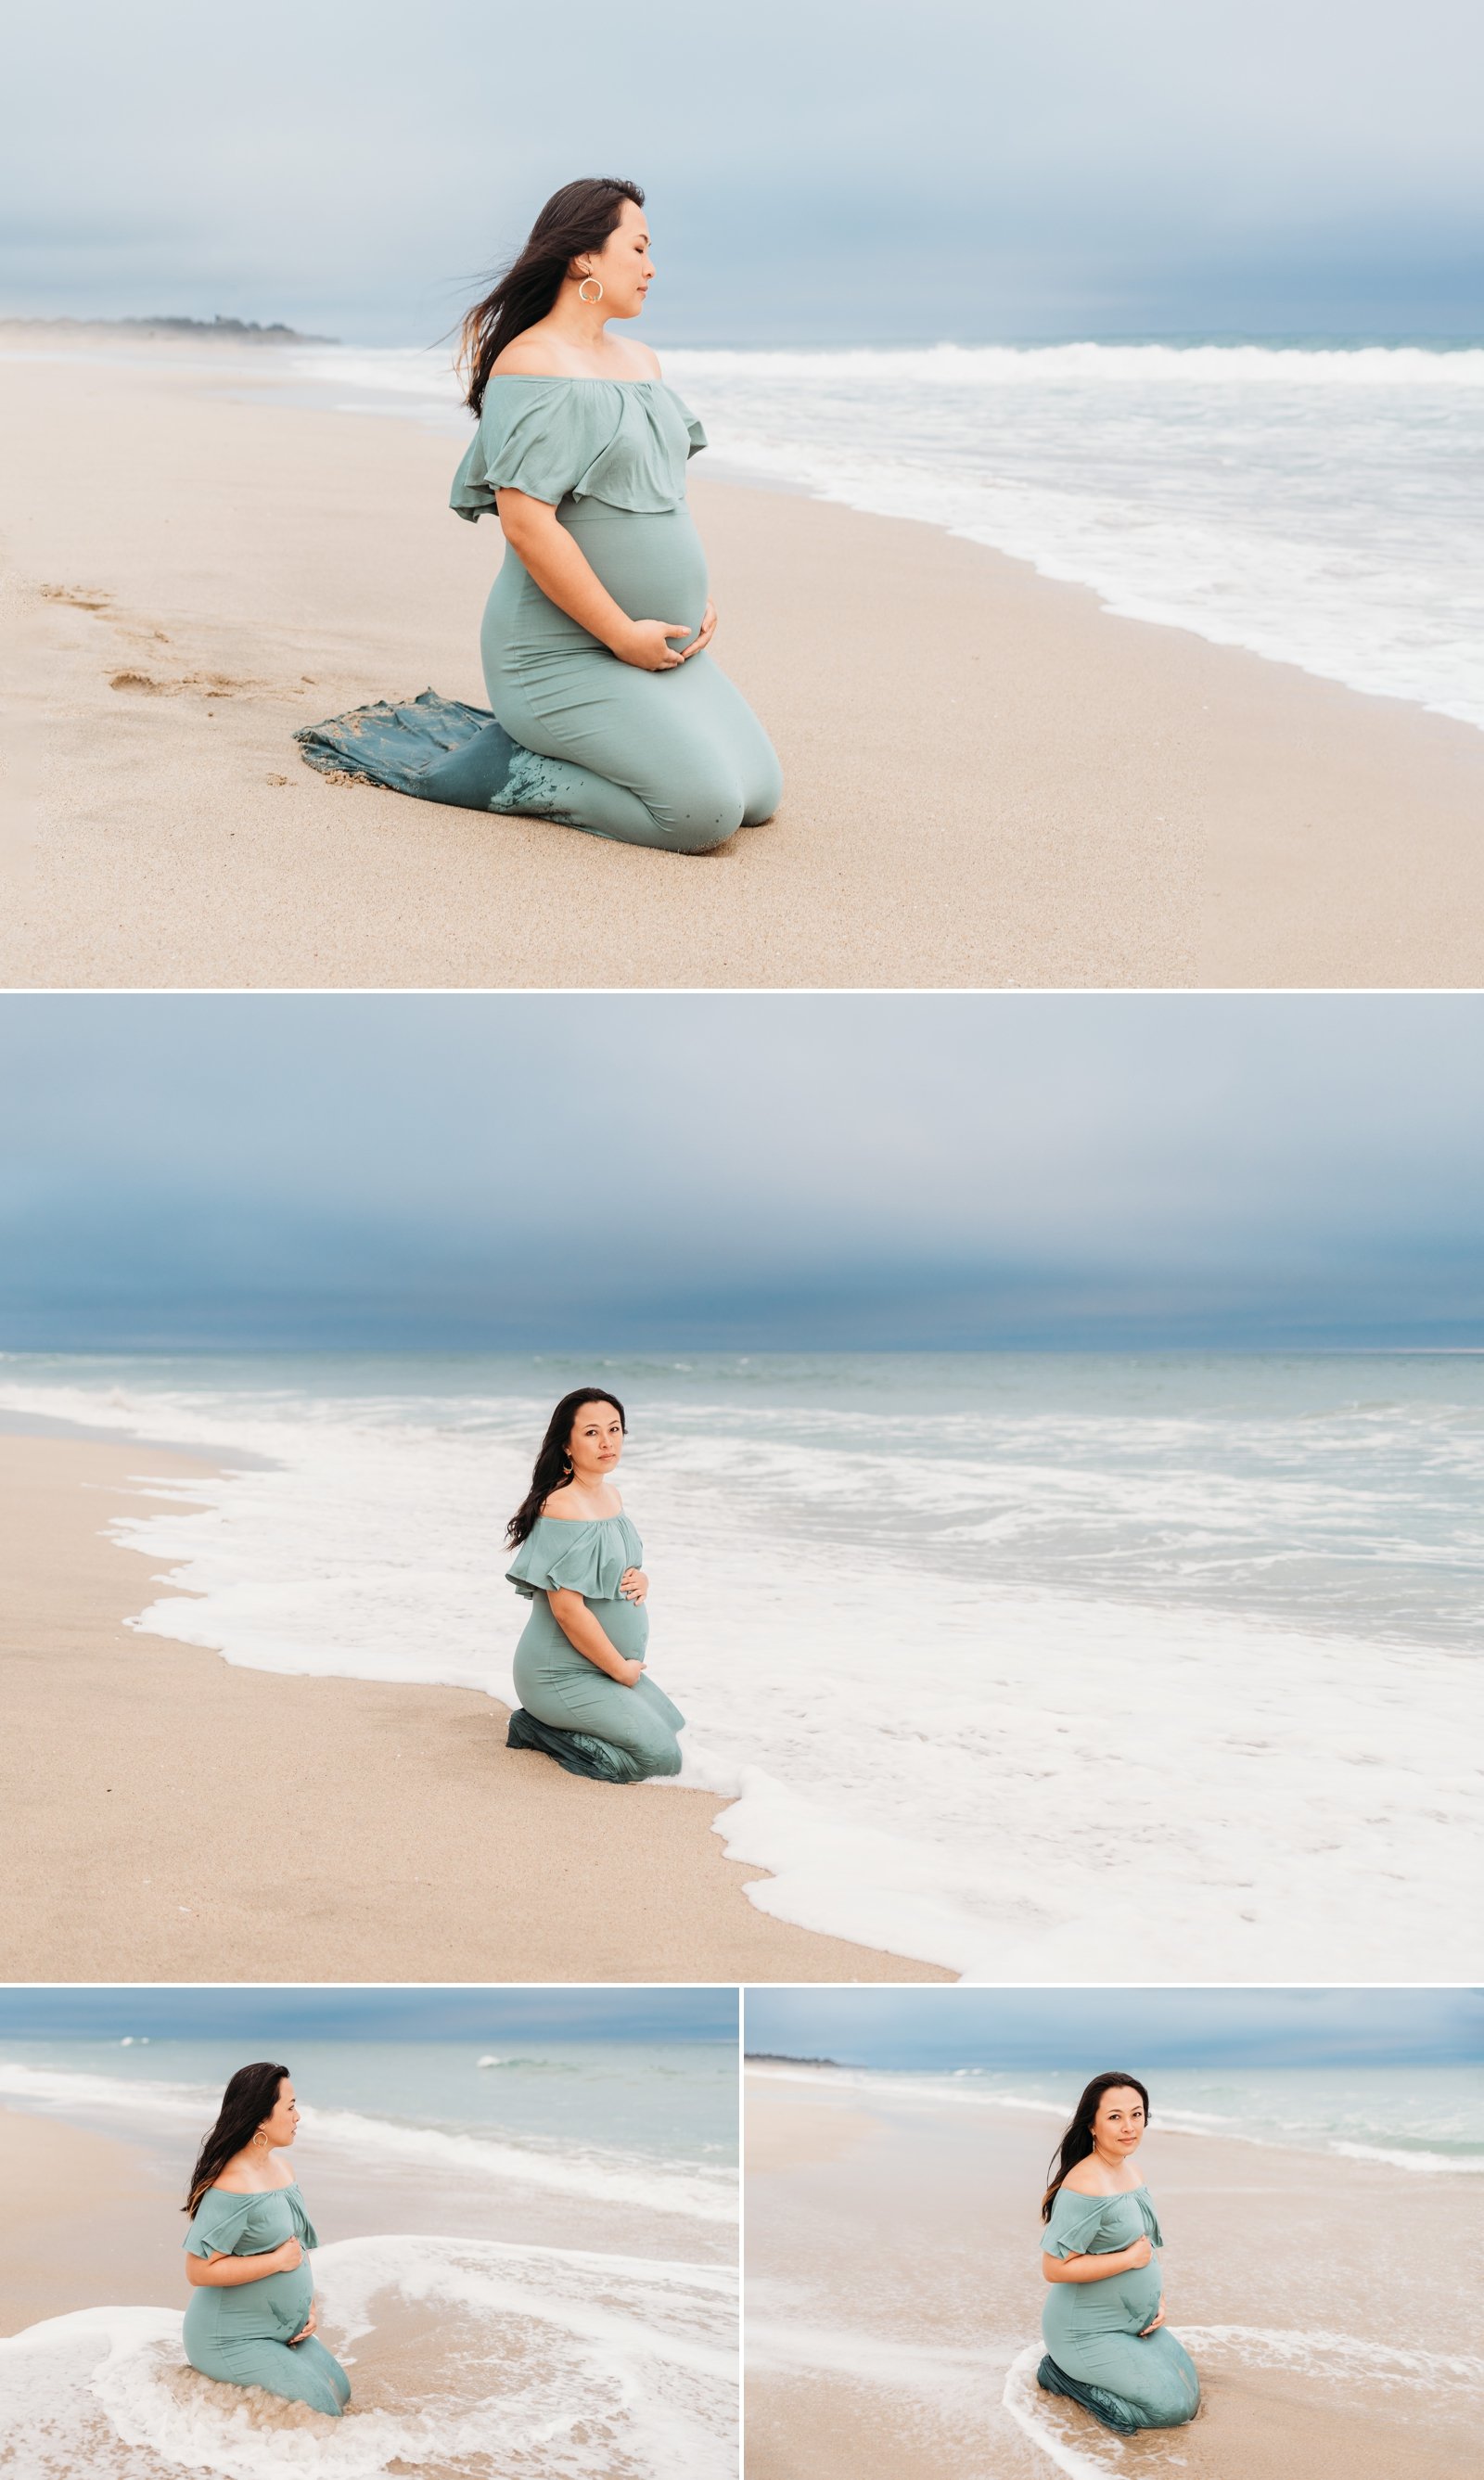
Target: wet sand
[(990, 781), (96, 2236), (87, 2219), (168, 1817), (894, 2282)]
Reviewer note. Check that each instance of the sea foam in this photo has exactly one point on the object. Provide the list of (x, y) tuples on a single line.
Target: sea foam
[(1316, 504), (1237, 1646), (476, 2361), (586, 2172)]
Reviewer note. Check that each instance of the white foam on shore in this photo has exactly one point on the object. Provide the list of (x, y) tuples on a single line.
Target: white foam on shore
[(951, 2376), (906, 1721), (1422, 2163), (1316, 505), (1344, 2357), (535, 2364), (588, 2172), (1256, 2117), (951, 2386), (1087, 2456)]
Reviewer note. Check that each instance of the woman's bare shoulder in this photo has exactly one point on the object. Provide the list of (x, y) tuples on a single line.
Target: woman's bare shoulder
[(1085, 2181), (235, 2182), (531, 356)]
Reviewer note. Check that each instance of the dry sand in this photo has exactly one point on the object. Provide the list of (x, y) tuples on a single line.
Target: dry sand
[(990, 782), (893, 2273), (167, 1817)]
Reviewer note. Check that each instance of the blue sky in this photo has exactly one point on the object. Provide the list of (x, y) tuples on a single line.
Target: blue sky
[(831, 170), (267, 2015), (782, 1172), (1138, 2029)]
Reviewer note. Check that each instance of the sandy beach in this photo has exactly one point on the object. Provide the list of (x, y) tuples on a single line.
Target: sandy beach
[(168, 1817), (990, 781), (893, 2283), (89, 2219)]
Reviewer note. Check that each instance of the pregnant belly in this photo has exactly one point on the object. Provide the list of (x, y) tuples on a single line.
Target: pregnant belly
[(1129, 2301), (281, 2304), (653, 566), (625, 1624)]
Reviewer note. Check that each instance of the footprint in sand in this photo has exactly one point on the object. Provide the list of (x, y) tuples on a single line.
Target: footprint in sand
[(83, 598), (210, 685)]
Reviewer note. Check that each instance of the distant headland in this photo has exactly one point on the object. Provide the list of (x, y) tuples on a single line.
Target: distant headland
[(231, 331), (783, 2058)]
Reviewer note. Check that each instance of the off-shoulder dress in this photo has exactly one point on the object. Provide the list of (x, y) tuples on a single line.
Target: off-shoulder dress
[(676, 759), (591, 1723)]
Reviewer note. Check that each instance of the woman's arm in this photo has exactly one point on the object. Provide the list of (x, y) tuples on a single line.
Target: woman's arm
[(225, 2272), (548, 552), (580, 1629), (1096, 2268)]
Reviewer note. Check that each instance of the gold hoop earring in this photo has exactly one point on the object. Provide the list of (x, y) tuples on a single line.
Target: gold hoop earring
[(582, 293), (260, 2140)]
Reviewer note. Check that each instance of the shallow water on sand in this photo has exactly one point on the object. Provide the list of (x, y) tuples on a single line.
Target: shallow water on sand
[(921, 1610), (1313, 503), (529, 2266)]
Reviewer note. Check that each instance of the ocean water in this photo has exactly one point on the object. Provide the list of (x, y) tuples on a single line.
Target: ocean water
[(1426, 2120), (1077, 1667), (648, 2127), (946, 2348), (1320, 505), (550, 2289)]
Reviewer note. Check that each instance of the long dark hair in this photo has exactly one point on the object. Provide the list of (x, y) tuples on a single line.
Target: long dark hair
[(554, 1465), (251, 2096), (1076, 2143), (579, 216)]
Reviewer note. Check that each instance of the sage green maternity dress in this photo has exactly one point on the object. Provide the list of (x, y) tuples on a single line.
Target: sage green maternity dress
[(1098, 2352), (245, 2334), (591, 1723), (676, 759)]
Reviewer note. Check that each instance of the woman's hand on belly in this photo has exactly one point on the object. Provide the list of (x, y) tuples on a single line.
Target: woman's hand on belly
[(705, 634), (633, 1585), (646, 644), (306, 2329), (1155, 2322)]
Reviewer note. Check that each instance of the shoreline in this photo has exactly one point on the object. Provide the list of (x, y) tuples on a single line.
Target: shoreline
[(918, 2372), (389, 1834), (992, 781), (867, 2087), (456, 2322)]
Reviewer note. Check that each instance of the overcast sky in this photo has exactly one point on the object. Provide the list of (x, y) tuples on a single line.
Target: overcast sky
[(789, 1171), (270, 2015), (1087, 2029), (817, 169)]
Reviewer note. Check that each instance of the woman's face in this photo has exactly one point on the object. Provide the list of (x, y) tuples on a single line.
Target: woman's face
[(623, 266), (1118, 2129), (280, 2127), (596, 1442)]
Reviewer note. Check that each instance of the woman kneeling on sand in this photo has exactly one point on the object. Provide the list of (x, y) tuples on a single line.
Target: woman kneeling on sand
[(252, 2317), (607, 711), (579, 1664), (1107, 2344)]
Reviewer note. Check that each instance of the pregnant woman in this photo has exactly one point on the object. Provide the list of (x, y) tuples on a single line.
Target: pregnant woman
[(579, 1663), (609, 712), (251, 2315), (1107, 2344)]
